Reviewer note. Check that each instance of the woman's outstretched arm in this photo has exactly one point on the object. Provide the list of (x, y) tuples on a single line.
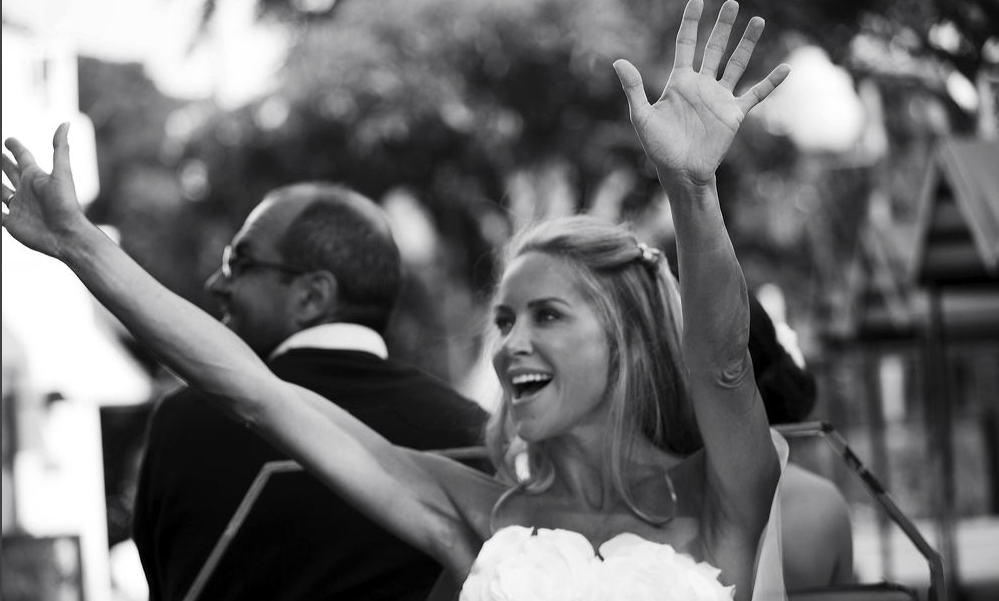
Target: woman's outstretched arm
[(686, 133), (396, 487)]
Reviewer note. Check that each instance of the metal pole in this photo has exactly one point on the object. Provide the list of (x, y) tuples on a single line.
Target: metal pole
[(940, 428), (937, 591), (875, 415)]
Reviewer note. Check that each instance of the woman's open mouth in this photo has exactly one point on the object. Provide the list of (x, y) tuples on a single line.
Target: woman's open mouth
[(525, 386)]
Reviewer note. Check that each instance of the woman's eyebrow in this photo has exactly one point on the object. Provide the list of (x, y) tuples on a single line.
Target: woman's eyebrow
[(554, 300)]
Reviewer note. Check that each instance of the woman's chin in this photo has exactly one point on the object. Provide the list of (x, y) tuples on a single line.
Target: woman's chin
[(528, 431)]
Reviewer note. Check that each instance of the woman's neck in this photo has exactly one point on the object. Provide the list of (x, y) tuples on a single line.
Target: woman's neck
[(584, 474), (582, 471)]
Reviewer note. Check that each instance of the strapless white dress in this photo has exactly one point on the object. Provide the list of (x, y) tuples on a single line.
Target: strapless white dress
[(519, 563)]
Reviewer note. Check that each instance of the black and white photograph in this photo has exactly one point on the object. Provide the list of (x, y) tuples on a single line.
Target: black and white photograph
[(500, 300)]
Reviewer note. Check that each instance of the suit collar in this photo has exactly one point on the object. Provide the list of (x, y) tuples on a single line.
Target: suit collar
[(335, 336)]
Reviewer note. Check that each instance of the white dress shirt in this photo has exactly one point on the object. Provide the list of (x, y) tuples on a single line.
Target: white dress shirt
[(335, 336)]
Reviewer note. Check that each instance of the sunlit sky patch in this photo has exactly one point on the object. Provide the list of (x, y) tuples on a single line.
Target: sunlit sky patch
[(234, 62), (238, 58)]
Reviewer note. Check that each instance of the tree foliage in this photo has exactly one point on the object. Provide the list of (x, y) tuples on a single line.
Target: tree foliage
[(460, 102)]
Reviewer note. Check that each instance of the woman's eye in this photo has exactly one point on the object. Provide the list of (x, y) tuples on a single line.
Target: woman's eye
[(547, 315)]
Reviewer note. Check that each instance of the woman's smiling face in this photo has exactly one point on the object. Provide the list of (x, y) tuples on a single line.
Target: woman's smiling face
[(552, 358)]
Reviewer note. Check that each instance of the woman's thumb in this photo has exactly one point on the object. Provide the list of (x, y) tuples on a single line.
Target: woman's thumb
[(631, 81), (60, 150)]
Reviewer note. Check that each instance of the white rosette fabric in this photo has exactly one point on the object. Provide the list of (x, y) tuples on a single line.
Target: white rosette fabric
[(518, 565), (560, 565), (640, 570)]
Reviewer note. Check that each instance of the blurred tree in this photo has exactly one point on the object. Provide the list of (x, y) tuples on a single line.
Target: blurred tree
[(449, 99), (139, 195), (832, 24), (463, 101)]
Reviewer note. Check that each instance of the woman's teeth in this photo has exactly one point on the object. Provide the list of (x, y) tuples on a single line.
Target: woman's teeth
[(526, 384)]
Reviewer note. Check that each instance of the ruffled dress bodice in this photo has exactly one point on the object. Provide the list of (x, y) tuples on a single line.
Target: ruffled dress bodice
[(519, 563)]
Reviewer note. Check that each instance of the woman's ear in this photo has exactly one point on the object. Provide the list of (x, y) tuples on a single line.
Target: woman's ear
[(317, 297)]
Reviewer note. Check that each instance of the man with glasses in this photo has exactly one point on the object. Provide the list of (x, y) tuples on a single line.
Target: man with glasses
[(309, 282)]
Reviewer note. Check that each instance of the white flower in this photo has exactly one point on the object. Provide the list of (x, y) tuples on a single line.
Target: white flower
[(514, 565), (641, 570), (560, 565)]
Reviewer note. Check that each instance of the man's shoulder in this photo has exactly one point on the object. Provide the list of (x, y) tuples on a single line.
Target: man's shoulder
[(388, 394), (360, 371), (429, 393), (190, 411), (178, 401)]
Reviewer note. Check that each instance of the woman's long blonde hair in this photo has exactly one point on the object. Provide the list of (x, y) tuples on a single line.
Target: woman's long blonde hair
[(637, 299)]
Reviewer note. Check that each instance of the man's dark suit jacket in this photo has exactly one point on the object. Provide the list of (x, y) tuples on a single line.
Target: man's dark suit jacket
[(300, 541)]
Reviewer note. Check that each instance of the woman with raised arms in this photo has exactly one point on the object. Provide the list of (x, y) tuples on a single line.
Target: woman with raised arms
[(603, 378)]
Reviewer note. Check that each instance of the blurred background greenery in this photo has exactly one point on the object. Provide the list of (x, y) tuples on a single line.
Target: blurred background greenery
[(483, 114)]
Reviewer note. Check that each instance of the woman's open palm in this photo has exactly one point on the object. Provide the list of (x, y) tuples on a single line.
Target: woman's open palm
[(690, 128), (42, 205)]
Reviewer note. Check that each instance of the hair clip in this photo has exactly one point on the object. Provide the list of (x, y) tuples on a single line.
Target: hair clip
[(650, 255)]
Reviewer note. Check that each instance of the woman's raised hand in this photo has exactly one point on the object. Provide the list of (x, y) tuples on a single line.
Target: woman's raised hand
[(42, 208), (690, 128)]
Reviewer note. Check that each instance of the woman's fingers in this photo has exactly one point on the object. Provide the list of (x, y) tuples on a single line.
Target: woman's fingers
[(761, 90), (718, 40), (743, 52), (60, 151), (686, 37), (11, 170), (634, 89), (21, 154), (6, 195)]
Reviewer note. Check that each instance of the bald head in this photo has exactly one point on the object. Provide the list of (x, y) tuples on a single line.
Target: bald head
[(331, 227), (290, 201)]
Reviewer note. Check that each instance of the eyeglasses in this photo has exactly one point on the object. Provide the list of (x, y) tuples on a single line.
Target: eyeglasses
[(234, 265)]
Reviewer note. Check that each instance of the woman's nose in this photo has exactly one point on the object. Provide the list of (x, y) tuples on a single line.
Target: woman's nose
[(518, 340)]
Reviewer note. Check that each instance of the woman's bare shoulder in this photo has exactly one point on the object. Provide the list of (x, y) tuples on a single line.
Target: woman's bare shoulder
[(472, 491)]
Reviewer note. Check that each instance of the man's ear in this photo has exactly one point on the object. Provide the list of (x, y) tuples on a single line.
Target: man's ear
[(317, 297)]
